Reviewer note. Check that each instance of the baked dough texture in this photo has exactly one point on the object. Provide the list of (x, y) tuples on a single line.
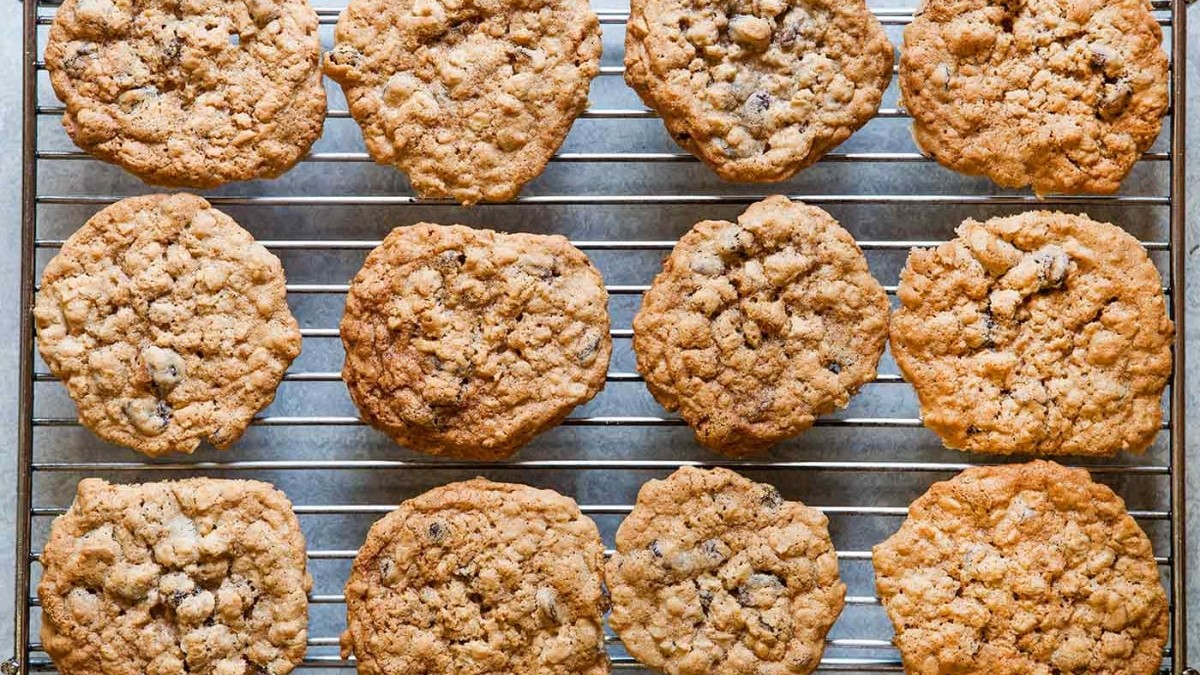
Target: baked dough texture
[(1025, 569), (755, 328), (468, 342), (758, 89), (1063, 95), (167, 323), (479, 577), (470, 98), (191, 93), (1041, 333), (200, 576), (715, 573)]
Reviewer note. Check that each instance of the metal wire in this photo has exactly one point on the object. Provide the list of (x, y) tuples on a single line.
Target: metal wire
[(1172, 14), (887, 17)]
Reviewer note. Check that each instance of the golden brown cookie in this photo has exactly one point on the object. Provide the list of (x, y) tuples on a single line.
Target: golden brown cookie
[(479, 577), (198, 576), (469, 98), (715, 573), (167, 323), (1024, 569), (1042, 333), (470, 342), (191, 94), (1062, 94), (758, 90), (755, 328)]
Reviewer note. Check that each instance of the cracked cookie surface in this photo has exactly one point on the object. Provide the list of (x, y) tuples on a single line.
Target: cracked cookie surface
[(199, 576), (1042, 333), (755, 328), (479, 577), (1063, 95), (470, 98), (1028, 569), (194, 93), (715, 573), (470, 342), (758, 89), (167, 323)]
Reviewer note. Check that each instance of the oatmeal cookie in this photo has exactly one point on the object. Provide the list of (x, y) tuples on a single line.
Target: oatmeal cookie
[(167, 323), (1042, 333), (1062, 94), (758, 90), (200, 576), (469, 342), (469, 98), (715, 573), (191, 94), (479, 577), (754, 328), (1025, 569)]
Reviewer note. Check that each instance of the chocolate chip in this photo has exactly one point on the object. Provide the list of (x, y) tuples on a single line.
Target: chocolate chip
[(437, 531), (655, 549), (706, 598), (833, 367)]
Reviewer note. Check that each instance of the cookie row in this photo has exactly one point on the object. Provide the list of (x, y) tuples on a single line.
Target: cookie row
[(1040, 333), (1004, 569), (471, 99)]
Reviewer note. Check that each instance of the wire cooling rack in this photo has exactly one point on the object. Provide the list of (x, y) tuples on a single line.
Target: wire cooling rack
[(624, 193)]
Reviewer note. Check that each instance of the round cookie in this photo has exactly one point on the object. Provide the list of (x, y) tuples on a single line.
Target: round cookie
[(1024, 569), (758, 90), (469, 98), (1041, 333), (754, 328), (479, 577), (190, 94), (469, 342), (200, 576), (167, 323), (715, 573), (1063, 95)]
